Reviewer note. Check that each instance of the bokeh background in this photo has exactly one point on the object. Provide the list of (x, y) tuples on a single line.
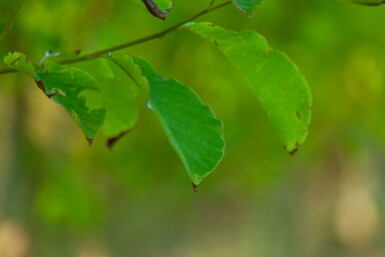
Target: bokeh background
[(61, 198)]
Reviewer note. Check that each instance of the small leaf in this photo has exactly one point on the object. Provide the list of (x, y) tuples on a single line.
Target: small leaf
[(247, 6), (77, 92), (158, 8), (126, 64), (192, 128), (118, 91), (368, 2), (280, 88), (21, 62)]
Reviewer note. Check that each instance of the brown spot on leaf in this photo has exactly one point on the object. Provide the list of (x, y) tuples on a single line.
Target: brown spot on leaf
[(77, 51), (298, 115), (195, 188), (40, 84), (215, 42)]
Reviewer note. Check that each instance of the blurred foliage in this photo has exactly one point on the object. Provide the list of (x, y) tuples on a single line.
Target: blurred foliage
[(62, 198)]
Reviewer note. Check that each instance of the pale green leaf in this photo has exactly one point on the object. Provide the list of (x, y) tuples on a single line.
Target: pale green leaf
[(191, 126), (280, 88), (77, 92), (21, 62)]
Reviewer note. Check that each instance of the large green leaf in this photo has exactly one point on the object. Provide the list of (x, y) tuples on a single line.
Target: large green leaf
[(119, 93), (20, 62), (247, 6), (368, 2), (280, 88), (77, 92), (192, 128)]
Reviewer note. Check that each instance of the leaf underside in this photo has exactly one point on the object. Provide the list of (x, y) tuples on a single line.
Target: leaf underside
[(276, 81)]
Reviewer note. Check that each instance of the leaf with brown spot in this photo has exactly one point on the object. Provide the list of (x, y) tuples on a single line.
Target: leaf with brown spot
[(116, 76), (21, 62), (41, 86), (77, 92)]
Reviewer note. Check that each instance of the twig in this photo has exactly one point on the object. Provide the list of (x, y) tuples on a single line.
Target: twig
[(142, 40), (7, 70), (131, 43), (9, 25)]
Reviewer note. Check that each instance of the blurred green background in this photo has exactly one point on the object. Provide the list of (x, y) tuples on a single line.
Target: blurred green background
[(61, 198)]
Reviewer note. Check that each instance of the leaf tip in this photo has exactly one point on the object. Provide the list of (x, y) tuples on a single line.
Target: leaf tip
[(90, 141), (195, 187), (294, 150)]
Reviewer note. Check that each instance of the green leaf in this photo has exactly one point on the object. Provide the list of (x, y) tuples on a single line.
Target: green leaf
[(247, 6), (192, 128), (280, 88), (368, 2), (118, 91), (77, 92), (126, 64), (21, 62)]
